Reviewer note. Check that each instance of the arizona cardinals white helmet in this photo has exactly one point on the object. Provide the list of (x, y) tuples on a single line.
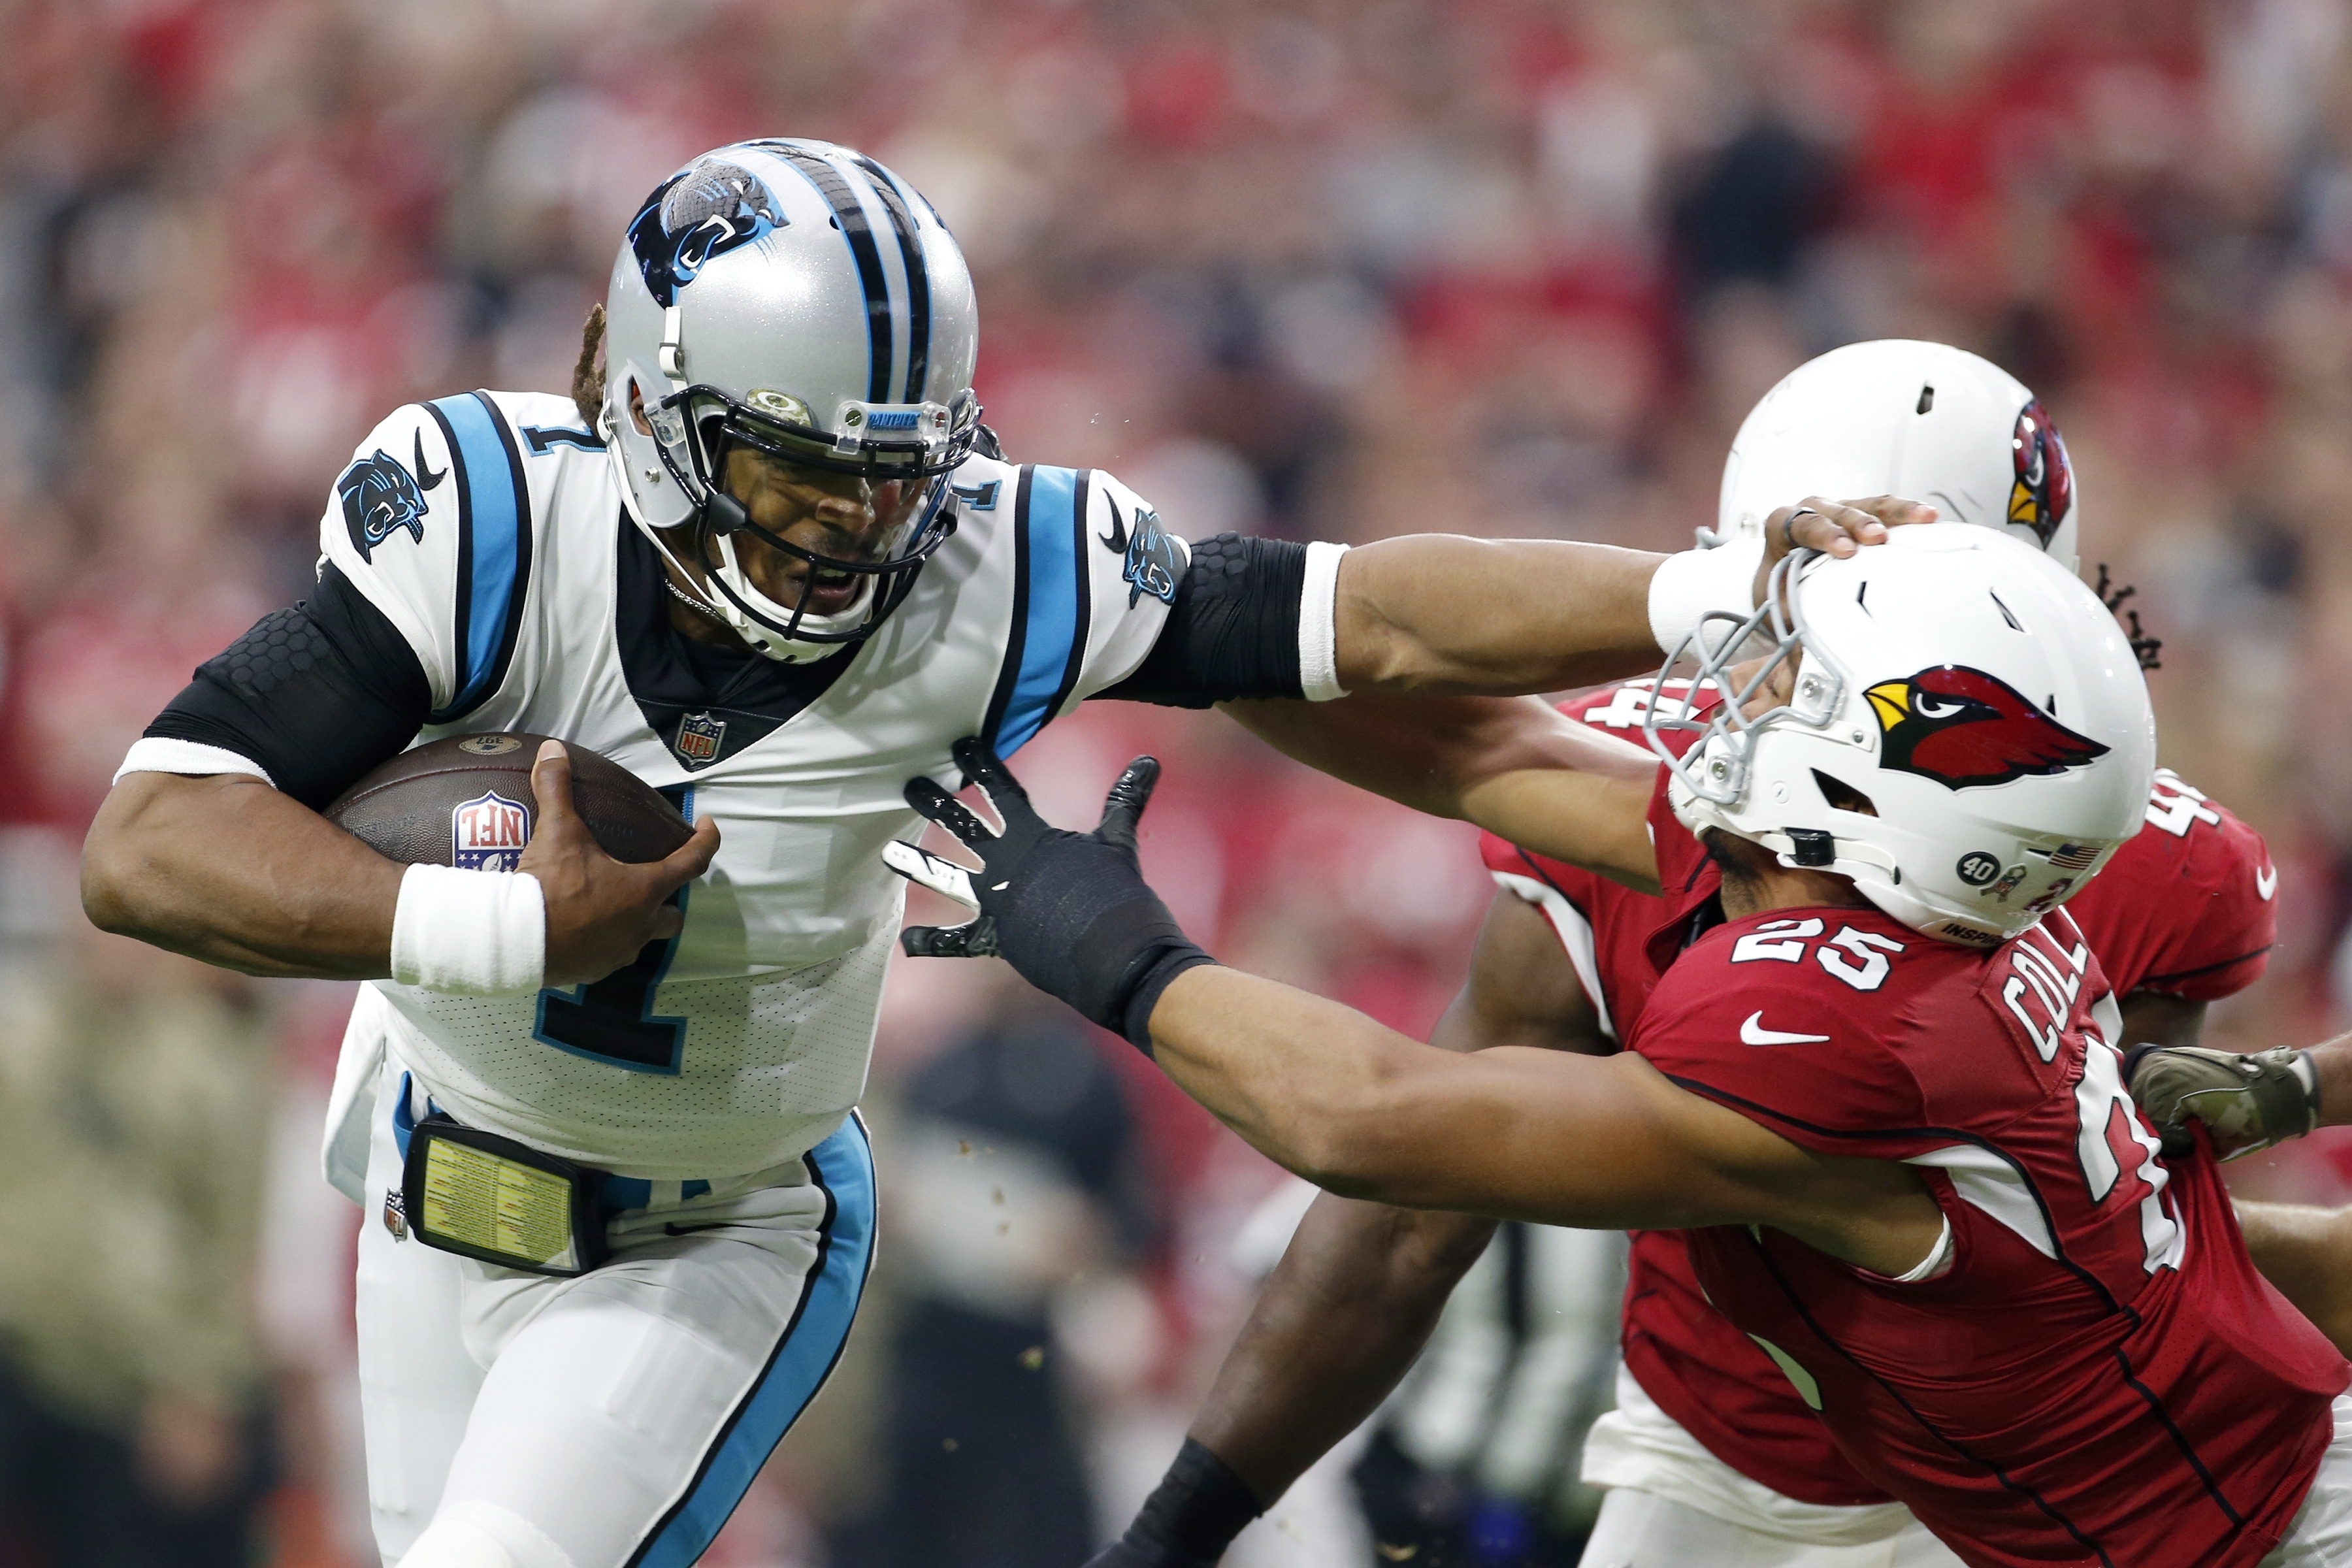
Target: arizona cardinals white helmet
[(1966, 734), (1898, 416), (799, 299)]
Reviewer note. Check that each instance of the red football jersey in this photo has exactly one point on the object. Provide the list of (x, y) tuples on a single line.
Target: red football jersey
[(2100, 1376), (2184, 907)]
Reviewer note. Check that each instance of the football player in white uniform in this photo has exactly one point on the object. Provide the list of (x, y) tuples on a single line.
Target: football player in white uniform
[(600, 1115)]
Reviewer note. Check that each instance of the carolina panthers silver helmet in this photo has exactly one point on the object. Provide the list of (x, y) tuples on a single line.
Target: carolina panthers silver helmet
[(799, 299)]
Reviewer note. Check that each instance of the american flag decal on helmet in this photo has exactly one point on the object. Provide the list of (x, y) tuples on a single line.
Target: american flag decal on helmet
[(2073, 857)]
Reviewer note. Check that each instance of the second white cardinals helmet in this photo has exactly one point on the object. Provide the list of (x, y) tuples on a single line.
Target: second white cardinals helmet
[(1898, 416)]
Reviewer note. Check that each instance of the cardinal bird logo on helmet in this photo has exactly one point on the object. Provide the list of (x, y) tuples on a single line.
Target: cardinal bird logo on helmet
[(2045, 479), (1965, 728)]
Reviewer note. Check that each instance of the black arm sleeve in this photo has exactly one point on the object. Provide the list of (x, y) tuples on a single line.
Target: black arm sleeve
[(318, 694), (1232, 630)]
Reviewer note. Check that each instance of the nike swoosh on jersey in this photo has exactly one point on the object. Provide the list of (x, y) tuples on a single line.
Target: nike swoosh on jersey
[(1754, 1033), (2266, 882)]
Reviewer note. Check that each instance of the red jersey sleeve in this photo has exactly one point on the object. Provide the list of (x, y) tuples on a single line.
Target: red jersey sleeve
[(2186, 907), (1788, 1019)]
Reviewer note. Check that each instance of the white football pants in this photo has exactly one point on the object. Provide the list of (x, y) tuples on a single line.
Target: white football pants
[(1673, 1504), (613, 1420), (1642, 1529)]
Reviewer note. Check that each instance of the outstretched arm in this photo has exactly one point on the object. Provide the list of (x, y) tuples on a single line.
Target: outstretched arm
[(1437, 612), (1600, 1143), (1515, 765), (1360, 1109)]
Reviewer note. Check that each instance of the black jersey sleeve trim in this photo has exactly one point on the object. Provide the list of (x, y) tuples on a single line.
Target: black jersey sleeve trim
[(2180, 976), (318, 694), (1232, 631)]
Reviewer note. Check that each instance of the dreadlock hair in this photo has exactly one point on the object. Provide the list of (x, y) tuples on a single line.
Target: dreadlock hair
[(2144, 647), (587, 379)]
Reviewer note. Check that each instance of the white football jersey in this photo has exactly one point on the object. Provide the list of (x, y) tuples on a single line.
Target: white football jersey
[(534, 604)]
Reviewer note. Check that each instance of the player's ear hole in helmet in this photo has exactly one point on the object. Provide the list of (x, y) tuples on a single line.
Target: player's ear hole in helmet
[(1843, 796)]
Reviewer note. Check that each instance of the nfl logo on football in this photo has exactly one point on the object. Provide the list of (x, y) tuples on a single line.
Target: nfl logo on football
[(698, 735), (487, 833)]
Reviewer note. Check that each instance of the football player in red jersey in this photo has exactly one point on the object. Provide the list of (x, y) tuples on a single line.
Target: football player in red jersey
[(1712, 1455), (1889, 1121)]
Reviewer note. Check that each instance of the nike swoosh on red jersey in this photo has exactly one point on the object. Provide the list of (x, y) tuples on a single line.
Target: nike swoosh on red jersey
[(2266, 882), (1754, 1033)]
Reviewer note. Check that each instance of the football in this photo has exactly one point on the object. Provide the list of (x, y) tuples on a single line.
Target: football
[(466, 800)]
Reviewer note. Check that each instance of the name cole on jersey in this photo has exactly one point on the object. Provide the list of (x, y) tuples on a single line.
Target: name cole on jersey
[(2112, 1290), (532, 605), (2184, 908)]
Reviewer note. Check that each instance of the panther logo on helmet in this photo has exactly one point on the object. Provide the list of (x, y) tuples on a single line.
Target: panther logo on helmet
[(382, 498), (1966, 730), (702, 212), (2044, 489)]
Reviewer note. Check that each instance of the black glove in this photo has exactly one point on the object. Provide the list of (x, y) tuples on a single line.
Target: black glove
[(1189, 1519), (1070, 911), (2246, 1102)]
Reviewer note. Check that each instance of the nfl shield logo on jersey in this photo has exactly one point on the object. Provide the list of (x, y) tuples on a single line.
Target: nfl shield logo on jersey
[(487, 833), (698, 736)]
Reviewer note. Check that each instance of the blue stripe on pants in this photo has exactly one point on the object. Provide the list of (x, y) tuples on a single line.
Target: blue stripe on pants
[(844, 1166)]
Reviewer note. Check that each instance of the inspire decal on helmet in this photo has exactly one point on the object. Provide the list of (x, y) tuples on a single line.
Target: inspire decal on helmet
[(2045, 479), (704, 211), (1965, 728)]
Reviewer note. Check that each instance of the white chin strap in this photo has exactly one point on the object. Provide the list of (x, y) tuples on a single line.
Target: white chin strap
[(763, 640), (767, 639)]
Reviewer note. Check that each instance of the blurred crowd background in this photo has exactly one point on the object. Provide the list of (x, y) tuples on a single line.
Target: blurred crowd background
[(1328, 269)]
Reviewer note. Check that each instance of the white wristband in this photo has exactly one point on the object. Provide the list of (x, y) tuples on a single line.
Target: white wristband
[(473, 933), (1318, 625), (1688, 585)]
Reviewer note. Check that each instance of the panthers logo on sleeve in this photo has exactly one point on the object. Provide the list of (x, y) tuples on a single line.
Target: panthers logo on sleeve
[(1153, 562), (382, 498), (706, 211), (1965, 728)]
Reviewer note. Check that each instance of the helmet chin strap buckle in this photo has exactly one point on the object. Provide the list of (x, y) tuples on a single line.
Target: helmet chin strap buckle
[(1810, 848), (671, 358)]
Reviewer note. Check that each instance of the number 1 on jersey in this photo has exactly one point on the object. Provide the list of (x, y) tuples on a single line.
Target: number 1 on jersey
[(612, 1020)]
